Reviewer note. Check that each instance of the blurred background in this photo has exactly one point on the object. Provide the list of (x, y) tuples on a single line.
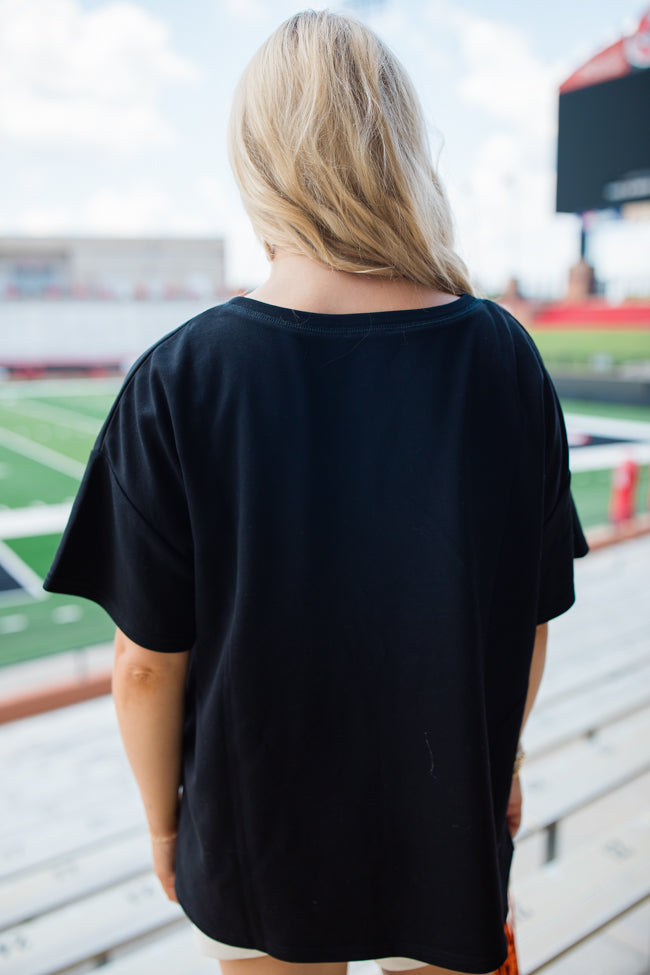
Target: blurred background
[(113, 118), (120, 220)]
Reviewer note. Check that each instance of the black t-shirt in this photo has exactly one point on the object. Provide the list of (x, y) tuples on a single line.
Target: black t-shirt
[(354, 522)]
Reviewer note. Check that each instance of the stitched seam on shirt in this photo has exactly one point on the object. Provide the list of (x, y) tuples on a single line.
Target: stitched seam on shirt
[(135, 368), (385, 329), (146, 521)]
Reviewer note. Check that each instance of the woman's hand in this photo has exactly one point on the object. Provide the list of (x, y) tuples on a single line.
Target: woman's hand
[(163, 849), (513, 814)]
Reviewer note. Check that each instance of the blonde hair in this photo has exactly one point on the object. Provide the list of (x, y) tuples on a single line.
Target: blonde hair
[(328, 146)]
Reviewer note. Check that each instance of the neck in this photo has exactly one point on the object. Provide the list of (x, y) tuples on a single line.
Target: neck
[(296, 281)]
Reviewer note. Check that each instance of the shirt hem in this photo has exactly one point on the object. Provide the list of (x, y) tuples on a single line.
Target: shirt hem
[(73, 588), (551, 609), (471, 964)]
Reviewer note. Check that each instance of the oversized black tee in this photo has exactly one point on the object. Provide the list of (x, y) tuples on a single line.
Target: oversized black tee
[(355, 523)]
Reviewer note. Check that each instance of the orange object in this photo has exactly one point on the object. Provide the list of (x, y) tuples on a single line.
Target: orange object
[(624, 482), (510, 966)]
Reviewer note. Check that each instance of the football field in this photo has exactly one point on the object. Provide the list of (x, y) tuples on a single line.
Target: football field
[(46, 433)]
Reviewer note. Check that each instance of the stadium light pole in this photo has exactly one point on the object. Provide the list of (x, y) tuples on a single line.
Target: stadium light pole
[(583, 236)]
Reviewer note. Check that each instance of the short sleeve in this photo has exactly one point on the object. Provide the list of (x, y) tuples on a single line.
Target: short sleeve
[(562, 537), (127, 545)]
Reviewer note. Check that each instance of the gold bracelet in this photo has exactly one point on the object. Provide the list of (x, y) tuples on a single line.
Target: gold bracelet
[(520, 758)]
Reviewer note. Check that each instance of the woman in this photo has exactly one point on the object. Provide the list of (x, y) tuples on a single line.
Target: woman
[(331, 520)]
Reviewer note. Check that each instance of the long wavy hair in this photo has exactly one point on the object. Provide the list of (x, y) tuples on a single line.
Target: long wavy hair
[(328, 146)]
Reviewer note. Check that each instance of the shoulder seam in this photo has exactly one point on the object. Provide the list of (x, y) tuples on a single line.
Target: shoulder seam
[(104, 456), (132, 373)]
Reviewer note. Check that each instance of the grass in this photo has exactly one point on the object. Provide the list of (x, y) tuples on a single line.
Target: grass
[(32, 627), (591, 490), (52, 433), (95, 407), (617, 411), (45, 627), (578, 347), (24, 482), (36, 550)]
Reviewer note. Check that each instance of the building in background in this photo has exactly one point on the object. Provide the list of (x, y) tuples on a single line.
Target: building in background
[(111, 268)]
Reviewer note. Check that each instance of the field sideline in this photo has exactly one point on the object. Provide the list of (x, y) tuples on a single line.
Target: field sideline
[(46, 432)]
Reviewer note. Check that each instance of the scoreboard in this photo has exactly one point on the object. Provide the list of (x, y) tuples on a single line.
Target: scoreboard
[(603, 148)]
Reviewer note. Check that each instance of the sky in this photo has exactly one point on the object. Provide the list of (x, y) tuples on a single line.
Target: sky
[(113, 117)]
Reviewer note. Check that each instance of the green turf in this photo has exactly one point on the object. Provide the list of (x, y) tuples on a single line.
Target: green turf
[(94, 407), (616, 411), (591, 490), (24, 481), (32, 627), (36, 551), (578, 347), (72, 443)]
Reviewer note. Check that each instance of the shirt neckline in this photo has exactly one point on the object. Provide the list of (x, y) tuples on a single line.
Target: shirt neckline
[(381, 320)]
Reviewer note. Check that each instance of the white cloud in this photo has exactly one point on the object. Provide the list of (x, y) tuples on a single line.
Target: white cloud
[(504, 77), (248, 10), (214, 192), (503, 197), (145, 208), (132, 209), (43, 221), (135, 209), (506, 221), (73, 78), (246, 262)]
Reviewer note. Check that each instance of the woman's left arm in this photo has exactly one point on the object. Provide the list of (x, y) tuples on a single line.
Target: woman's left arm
[(148, 690), (538, 661)]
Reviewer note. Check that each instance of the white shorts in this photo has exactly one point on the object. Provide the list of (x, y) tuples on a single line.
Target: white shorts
[(222, 952)]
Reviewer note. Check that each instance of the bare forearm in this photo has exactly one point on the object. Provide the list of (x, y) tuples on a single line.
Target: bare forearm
[(536, 669), (149, 706), (513, 814)]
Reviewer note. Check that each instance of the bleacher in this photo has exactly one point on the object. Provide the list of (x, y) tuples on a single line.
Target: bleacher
[(77, 892)]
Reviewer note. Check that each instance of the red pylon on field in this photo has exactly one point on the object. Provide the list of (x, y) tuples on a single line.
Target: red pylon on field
[(625, 478)]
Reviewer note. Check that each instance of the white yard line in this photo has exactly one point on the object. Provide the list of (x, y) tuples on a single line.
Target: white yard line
[(607, 456), (607, 427), (59, 387), (57, 415), (45, 519), (28, 579), (42, 455)]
